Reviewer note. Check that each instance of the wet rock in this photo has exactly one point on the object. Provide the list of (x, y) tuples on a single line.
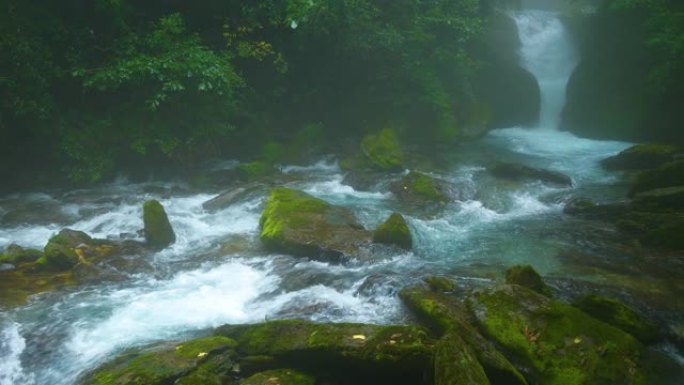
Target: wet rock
[(668, 175), (296, 223), (456, 363), (15, 254), (63, 251), (158, 231), (440, 284), (280, 377), (394, 231), (444, 315), (216, 179), (556, 343), (589, 209), (383, 151), (657, 229), (618, 314), (519, 172), (17, 284), (367, 353), (216, 370), (642, 156), (361, 180), (662, 199), (417, 187), (228, 198), (526, 276), (159, 367)]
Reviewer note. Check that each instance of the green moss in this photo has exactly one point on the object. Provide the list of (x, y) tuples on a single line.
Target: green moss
[(394, 231), (15, 254), (375, 350), (60, 252), (616, 313), (296, 223), (256, 170), (642, 156), (668, 175), (440, 284), (526, 276), (280, 377), (456, 363), (158, 231), (662, 230), (217, 370), (418, 186), (158, 367), (444, 315), (559, 344), (272, 152), (383, 150)]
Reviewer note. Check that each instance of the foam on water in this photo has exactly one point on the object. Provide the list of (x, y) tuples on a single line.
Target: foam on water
[(161, 309), (12, 345), (322, 166), (334, 190)]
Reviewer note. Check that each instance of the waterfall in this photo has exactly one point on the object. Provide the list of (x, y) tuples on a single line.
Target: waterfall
[(548, 53)]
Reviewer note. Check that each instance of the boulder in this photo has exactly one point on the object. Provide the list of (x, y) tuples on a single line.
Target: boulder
[(394, 231), (382, 150), (359, 352), (417, 187), (661, 199), (519, 172), (296, 223), (556, 343), (159, 366), (526, 276), (444, 315), (456, 363), (642, 156), (658, 229), (280, 377), (589, 209), (228, 198), (158, 231), (618, 314), (668, 175), (15, 254), (64, 250)]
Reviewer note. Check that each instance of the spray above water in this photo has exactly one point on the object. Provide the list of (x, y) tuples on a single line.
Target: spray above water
[(548, 53)]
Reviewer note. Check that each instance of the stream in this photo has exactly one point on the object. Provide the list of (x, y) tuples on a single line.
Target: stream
[(217, 272)]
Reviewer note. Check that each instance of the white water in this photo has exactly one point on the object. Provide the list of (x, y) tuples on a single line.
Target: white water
[(548, 53), (217, 272)]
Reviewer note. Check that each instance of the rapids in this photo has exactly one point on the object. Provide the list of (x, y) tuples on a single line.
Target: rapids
[(218, 273)]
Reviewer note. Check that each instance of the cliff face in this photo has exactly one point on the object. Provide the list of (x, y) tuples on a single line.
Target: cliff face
[(615, 92)]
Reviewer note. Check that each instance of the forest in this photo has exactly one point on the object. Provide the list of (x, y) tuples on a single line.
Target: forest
[(341, 192)]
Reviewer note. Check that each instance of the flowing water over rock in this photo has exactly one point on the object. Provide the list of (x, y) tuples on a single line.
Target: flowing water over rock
[(217, 272)]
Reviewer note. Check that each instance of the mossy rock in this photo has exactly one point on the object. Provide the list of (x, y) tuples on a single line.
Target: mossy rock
[(661, 199), (383, 151), (589, 209), (618, 314), (217, 370), (519, 172), (158, 231), (557, 343), (440, 284), (456, 363), (159, 367), (417, 187), (15, 254), (17, 285), (661, 230), (668, 175), (526, 276), (61, 252), (280, 377), (642, 156), (255, 170), (394, 231), (402, 354), (444, 315), (297, 223)]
